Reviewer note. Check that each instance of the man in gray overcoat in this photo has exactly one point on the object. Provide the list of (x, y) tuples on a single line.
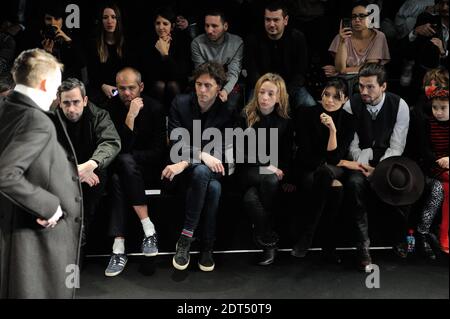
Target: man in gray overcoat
[(40, 195)]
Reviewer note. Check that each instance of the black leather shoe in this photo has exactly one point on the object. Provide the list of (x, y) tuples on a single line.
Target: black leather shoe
[(267, 256)]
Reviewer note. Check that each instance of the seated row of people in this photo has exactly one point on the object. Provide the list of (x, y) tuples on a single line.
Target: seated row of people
[(167, 59), (339, 144), (166, 56)]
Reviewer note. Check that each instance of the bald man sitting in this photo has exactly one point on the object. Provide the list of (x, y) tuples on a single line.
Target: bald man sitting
[(141, 125)]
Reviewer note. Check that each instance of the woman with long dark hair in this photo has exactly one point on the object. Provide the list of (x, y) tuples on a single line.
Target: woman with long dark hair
[(107, 55)]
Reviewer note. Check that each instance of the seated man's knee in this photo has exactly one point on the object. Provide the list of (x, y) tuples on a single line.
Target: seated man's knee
[(126, 164), (356, 179), (323, 174), (201, 172), (271, 181), (125, 159)]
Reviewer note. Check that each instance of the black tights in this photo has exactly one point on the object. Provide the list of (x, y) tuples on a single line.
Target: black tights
[(165, 92), (325, 202), (259, 195)]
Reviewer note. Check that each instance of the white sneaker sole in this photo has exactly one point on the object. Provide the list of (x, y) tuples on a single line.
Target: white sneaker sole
[(150, 255), (180, 267), (205, 268)]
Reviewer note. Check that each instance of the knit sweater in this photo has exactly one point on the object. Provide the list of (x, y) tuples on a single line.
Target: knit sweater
[(439, 141), (229, 53)]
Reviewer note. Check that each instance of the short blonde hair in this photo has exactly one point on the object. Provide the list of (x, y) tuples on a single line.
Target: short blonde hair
[(32, 66)]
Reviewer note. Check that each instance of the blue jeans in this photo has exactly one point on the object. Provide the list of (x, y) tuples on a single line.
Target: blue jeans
[(300, 97), (203, 195)]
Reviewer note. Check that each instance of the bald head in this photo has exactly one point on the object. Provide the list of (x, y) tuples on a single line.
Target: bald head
[(129, 74), (129, 84)]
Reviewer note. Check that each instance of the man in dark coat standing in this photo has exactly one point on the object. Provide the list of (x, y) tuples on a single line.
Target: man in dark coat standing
[(40, 195)]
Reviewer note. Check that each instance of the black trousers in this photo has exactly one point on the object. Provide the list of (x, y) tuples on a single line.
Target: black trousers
[(323, 202), (127, 188), (91, 199), (260, 191), (360, 197)]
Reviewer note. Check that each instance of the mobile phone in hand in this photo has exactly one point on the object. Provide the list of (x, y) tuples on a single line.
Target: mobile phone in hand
[(346, 23)]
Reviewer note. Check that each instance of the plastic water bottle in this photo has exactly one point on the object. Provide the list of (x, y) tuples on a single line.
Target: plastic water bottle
[(411, 241)]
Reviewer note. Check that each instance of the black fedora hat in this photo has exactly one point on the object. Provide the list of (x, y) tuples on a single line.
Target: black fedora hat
[(398, 181)]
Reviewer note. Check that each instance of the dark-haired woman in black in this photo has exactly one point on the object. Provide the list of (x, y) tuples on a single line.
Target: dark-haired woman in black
[(165, 58), (107, 55), (323, 135)]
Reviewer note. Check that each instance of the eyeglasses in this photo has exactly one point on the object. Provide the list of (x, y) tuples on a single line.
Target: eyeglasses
[(360, 16)]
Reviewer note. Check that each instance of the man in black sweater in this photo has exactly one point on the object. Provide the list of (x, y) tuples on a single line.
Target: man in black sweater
[(140, 122), (280, 50)]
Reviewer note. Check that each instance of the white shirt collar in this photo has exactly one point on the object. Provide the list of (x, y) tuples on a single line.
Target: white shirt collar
[(37, 96), (379, 105)]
